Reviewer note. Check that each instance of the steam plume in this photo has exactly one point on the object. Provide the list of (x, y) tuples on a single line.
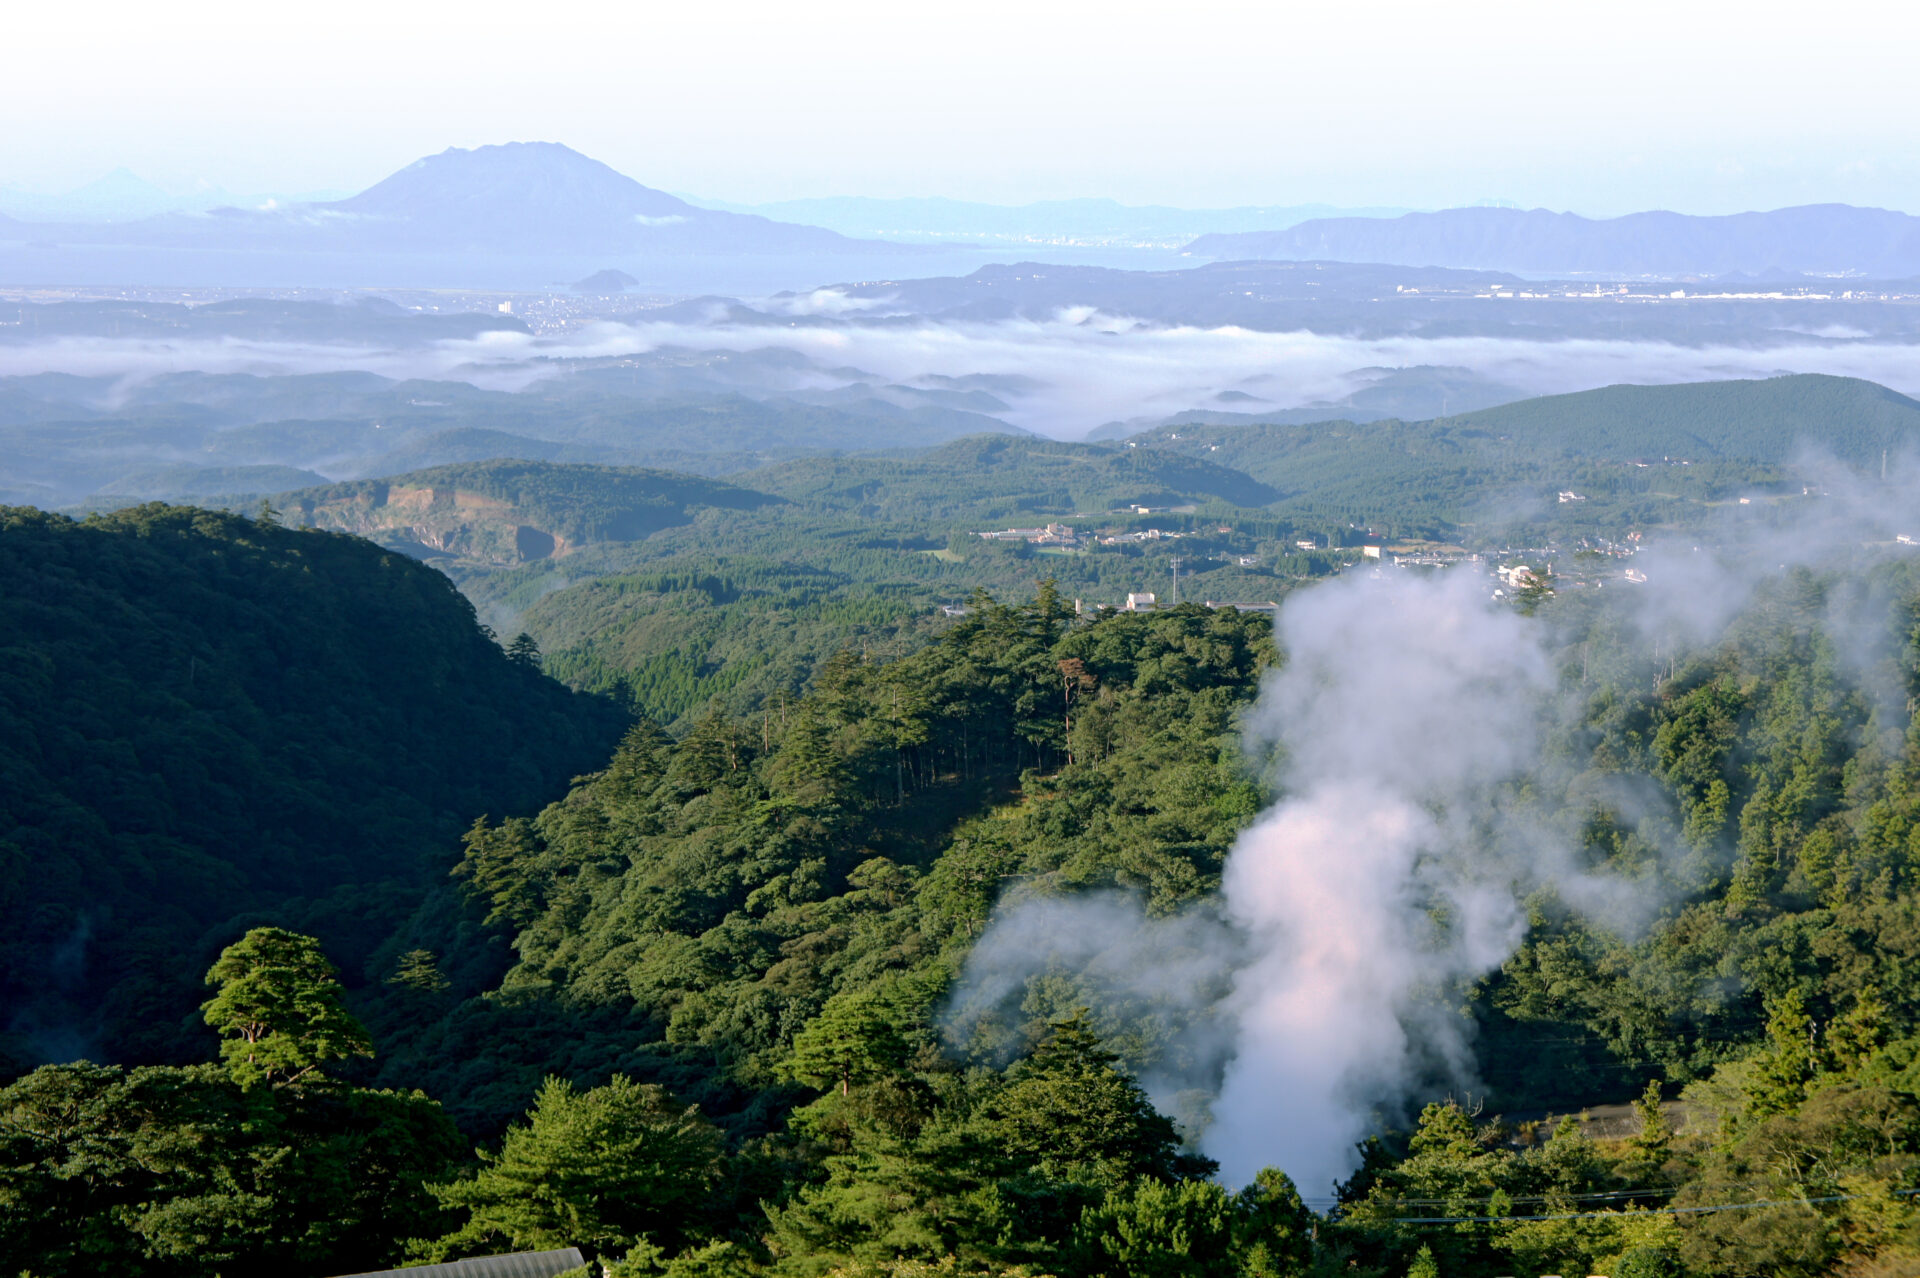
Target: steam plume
[(1311, 1001), (1405, 702)]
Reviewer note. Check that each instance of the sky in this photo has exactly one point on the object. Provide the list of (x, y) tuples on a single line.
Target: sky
[(1598, 108)]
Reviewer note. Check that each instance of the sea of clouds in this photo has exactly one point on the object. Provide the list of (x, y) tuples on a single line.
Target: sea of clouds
[(1080, 370)]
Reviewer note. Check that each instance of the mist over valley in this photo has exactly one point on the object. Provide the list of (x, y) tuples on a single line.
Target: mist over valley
[(1004, 643)]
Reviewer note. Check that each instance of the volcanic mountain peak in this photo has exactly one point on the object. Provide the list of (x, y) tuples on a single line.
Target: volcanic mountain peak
[(546, 176)]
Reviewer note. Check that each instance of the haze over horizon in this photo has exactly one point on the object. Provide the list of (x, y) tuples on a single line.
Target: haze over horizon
[(965, 640), (1393, 105)]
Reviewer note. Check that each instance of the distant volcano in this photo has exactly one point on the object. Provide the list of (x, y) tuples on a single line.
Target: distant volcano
[(520, 198), (541, 197), (607, 281)]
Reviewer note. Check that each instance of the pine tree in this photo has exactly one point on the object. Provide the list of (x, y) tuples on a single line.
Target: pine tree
[(419, 970), (602, 1169), (523, 651), (1656, 1133), (280, 1010), (1778, 1082), (853, 1040)]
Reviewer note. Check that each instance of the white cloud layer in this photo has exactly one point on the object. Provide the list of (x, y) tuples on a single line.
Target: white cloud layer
[(1086, 369)]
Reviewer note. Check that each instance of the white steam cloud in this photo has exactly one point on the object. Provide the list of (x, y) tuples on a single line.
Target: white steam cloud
[(1308, 999), (1385, 877), (1321, 991)]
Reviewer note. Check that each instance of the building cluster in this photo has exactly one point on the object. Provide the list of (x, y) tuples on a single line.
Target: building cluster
[(1521, 577), (1144, 534), (1051, 535), (1066, 535)]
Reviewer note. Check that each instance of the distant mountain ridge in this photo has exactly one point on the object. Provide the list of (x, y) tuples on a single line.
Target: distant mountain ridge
[(1813, 239), (512, 198), (538, 212), (123, 196), (936, 219), (548, 197)]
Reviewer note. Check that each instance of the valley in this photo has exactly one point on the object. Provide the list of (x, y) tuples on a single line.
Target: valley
[(1202, 680)]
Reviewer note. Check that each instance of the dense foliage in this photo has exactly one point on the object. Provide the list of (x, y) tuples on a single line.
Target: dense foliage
[(268, 1168), (204, 716), (696, 1013), (1762, 786), (693, 906)]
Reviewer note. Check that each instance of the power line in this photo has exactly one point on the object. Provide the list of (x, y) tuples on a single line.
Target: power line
[(1648, 1191), (1543, 1198), (1659, 1211)]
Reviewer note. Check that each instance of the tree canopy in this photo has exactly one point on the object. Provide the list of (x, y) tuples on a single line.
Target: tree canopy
[(279, 1010)]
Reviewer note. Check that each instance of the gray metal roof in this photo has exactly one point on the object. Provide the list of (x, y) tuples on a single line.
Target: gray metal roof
[(520, 1264)]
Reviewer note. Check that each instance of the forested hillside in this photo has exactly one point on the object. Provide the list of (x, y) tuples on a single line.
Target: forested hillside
[(1004, 476), (1764, 421), (854, 837), (810, 958), (805, 930), (766, 919), (1636, 456), (731, 605), (204, 717)]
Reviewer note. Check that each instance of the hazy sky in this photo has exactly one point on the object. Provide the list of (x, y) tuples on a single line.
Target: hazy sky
[(1601, 108)]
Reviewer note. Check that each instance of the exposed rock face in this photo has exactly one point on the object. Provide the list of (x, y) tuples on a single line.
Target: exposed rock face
[(502, 512), (438, 522)]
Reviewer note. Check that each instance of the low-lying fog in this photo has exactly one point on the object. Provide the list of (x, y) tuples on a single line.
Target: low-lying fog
[(1063, 377)]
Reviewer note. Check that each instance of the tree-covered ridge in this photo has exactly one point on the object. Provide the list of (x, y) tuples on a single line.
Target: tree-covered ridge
[(1769, 420), (485, 510), (1499, 472), (205, 715), (699, 901), (1455, 481), (1002, 474)]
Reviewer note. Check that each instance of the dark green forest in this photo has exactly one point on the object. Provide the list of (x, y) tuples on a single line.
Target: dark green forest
[(205, 716), (350, 933)]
